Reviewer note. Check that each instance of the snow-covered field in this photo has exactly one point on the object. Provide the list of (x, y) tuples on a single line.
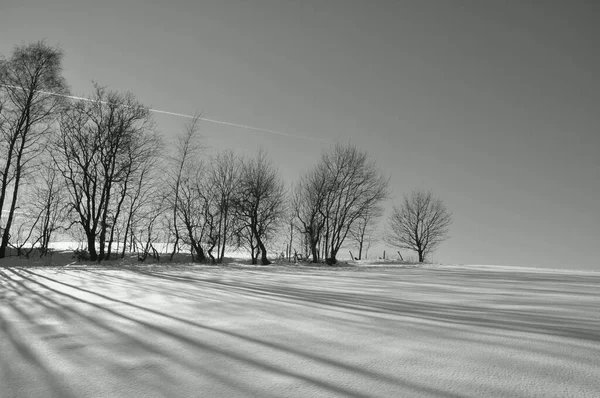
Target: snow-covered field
[(240, 331)]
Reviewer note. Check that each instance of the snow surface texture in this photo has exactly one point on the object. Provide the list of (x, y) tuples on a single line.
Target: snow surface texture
[(201, 331)]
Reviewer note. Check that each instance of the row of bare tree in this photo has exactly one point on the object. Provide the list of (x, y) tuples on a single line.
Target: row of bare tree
[(95, 169)]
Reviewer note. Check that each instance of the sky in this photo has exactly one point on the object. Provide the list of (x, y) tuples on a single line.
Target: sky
[(493, 106)]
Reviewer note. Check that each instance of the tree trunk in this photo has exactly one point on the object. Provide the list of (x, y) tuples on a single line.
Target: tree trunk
[(45, 238), (175, 243), (332, 258), (221, 255), (11, 212), (200, 256), (91, 241), (254, 255), (125, 240), (360, 249), (131, 239), (209, 252), (102, 243), (315, 252), (263, 252), (289, 252), (110, 242), (8, 164)]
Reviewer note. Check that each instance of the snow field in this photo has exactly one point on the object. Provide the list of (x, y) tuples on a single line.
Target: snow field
[(160, 331)]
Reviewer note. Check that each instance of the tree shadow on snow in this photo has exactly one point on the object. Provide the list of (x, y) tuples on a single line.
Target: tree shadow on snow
[(81, 305), (28, 282)]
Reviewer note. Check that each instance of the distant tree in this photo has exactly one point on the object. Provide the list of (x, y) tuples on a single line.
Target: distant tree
[(139, 162), (363, 233), (48, 202), (259, 204), (146, 229), (194, 210), (420, 224), (140, 197), (223, 180), (22, 240), (308, 200), (332, 198), (27, 114), (187, 151), (41, 211), (203, 200)]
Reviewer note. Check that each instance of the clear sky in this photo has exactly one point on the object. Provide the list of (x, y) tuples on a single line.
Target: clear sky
[(493, 105)]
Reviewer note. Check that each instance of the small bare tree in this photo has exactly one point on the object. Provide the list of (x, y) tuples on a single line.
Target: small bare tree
[(420, 224), (363, 233), (145, 225), (142, 197), (194, 210), (223, 180), (259, 204), (187, 151), (49, 202), (308, 200)]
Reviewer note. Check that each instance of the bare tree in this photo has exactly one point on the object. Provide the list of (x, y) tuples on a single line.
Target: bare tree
[(48, 201), (27, 113), (307, 201), (22, 239), (363, 233), (334, 196), (41, 211), (187, 150), (420, 224), (194, 209), (141, 199), (145, 229), (259, 204), (224, 174), (98, 151)]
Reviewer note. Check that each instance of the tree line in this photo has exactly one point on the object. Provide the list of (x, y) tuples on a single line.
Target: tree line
[(96, 169)]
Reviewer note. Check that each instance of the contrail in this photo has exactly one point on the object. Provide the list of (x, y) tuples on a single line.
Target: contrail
[(242, 126)]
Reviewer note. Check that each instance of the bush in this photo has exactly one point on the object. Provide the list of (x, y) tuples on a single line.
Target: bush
[(81, 254)]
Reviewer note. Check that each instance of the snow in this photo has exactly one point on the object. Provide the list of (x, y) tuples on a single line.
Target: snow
[(298, 331)]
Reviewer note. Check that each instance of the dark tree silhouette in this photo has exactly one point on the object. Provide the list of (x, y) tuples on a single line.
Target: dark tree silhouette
[(259, 204), (420, 224), (223, 180), (341, 190), (363, 233), (101, 147), (48, 200), (187, 151), (27, 113), (307, 201)]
